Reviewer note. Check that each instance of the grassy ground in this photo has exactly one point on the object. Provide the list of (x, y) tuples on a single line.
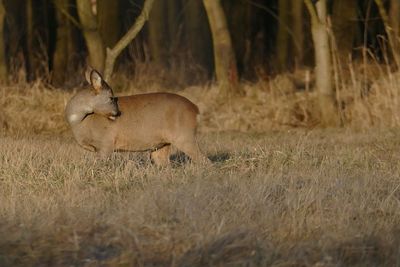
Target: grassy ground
[(281, 198), (287, 198)]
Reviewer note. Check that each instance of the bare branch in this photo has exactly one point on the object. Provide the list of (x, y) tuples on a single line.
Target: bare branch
[(312, 10), (113, 53), (68, 16)]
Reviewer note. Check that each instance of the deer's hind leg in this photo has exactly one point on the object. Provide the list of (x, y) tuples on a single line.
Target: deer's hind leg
[(161, 155), (190, 147)]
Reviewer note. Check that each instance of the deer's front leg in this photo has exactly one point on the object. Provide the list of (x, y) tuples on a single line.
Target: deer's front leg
[(106, 148)]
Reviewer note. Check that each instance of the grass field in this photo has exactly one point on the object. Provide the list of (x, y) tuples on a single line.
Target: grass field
[(285, 198), (274, 196)]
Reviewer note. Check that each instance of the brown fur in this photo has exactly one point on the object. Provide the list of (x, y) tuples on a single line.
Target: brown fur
[(153, 121)]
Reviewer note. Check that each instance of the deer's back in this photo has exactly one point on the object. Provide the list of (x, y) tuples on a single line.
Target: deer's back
[(155, 118), (155, 110)]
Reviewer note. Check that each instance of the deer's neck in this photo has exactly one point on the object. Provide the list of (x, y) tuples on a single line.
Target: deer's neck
[(78, 108)]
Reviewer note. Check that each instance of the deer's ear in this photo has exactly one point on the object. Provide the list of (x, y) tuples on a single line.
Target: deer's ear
[(96, 81), (88, 71)]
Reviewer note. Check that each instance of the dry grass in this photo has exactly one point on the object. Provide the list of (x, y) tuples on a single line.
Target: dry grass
[(277, 198), (320, 198), (32, 109), (367, 98)]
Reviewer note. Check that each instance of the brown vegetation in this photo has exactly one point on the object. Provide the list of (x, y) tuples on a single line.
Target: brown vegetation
[(367, 96), (297, 197), (281, 191), (290, 199)]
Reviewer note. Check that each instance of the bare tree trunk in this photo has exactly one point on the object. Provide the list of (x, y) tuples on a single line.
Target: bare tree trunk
[(224, 55), (394, 15), (16, 22), (174, 33), (240, 22), (197, 34), (298, 32), (109, 21), (282, 41), (113, 53), (91, 34), (158, 33), (3, 61), (29, 40), (344, 26), (323, 62), (63, 41)]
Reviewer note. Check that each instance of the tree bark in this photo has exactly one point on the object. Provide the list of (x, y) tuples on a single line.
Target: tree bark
[(62, 49), (323, 62), (158, 33), (113, 53), (344, 19), (224, 55), (15, 22), (3, 61), (298, 32), (282, 41), (29, 40), (394, 15), (197, 34), (109, 21), (91, 34), (239, 22), (174, 34)]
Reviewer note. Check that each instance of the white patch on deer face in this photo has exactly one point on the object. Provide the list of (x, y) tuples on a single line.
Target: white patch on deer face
[(73, 118)]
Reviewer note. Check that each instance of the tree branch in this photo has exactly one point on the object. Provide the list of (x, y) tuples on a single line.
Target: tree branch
[(68, 16), (113, 53), (312, 10)]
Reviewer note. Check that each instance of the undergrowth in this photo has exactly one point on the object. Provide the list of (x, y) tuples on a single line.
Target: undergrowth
[(283, 102)]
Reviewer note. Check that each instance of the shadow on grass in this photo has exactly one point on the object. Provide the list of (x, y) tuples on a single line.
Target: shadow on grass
[(220, 157), (238, 247), (177, 159), (180, 158), (243, 248)]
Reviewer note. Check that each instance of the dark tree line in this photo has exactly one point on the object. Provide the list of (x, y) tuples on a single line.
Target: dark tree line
[(52, 39)]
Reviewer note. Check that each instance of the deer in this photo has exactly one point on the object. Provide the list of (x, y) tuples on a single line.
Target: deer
[(103, 123)]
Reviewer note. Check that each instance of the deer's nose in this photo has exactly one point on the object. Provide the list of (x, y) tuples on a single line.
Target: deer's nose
[(116, 113)]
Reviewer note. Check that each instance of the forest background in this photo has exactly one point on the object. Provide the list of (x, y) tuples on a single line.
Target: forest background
[(269, 58), (299, 101)]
